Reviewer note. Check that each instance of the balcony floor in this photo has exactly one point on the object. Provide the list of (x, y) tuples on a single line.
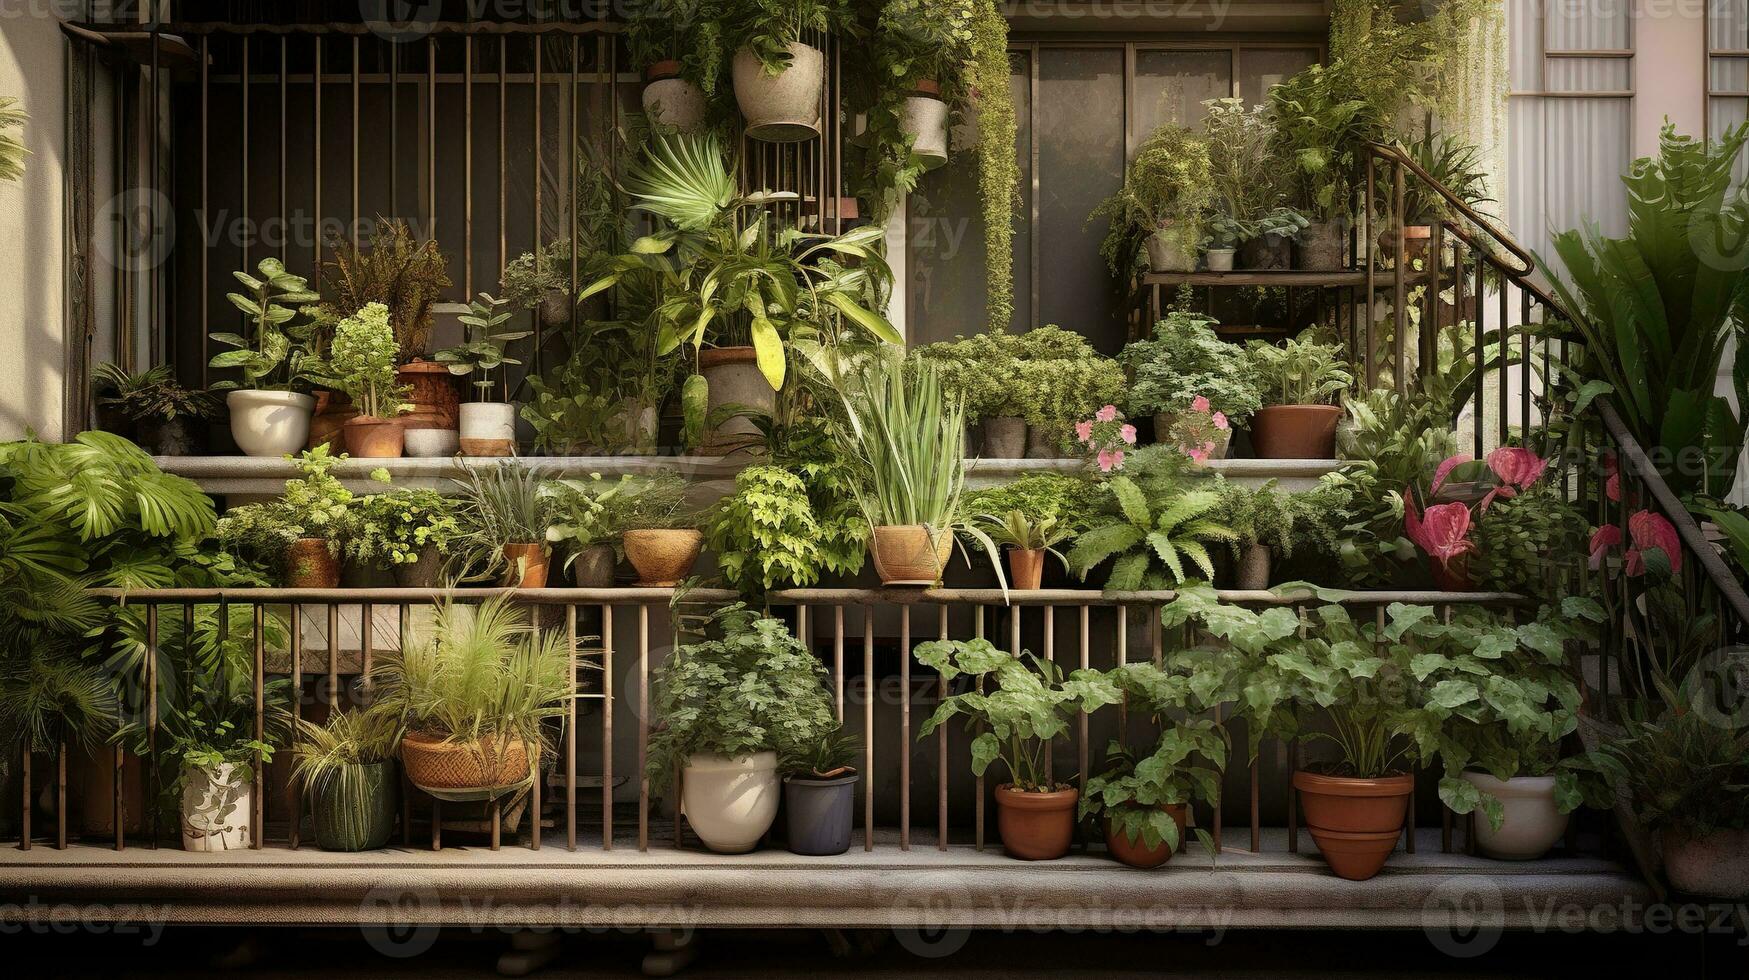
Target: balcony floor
[(774, 888)]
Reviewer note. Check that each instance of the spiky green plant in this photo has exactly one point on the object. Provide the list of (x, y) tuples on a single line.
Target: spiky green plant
[(1151, 547), (12, 149), (498, 504), (329, 760), (53, 697)]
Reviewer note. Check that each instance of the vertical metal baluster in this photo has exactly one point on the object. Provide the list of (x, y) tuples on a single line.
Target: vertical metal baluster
[(367, 637), (333, 657), (1293, 766), (297, 690), (468, 170), (570, 735), (1524, 369), (1081, 743), (61, 796), (1445, 813), (431, 135), (357, 128), (643, 727), (838, 662), (941, 746), (1400, 276), (205, 254), (606, 727), (978, 808), (150, 763), (1481, 330), (1505, 353), (868, 722), (315, 159), (258, 815), (904, 727), (25, 797), (406, 784)]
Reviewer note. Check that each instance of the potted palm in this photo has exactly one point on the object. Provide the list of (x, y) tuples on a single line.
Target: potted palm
[(778, 77), (731, 707), (488, 428), (361, 362), (679, 46), (1163, 204), (472, 695), (1027, 539), (819, 794), (347, 770), (1021, 710), (1301, 381), (268, 417), (504, 518)]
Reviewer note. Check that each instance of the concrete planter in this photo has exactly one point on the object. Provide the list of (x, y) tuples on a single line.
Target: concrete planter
[(216, 805), (592, 567), (426, 573), (730, 802), (1321, 247), (270, 423), (781, 108), (1533, 823), (1254, 560), (1715, 865), (1219, 259), (1004, 437), (1266, 252), (674, 103), (923, 117), (431, 443), (488, 429), (818, 813), (732, 374), (1167, 254)]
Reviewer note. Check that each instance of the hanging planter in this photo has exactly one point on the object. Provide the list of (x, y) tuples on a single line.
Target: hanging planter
[(785, 107), (671, 101), (923, 117)]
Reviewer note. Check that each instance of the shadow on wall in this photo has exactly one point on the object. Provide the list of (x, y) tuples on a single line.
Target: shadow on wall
[(32, 239)]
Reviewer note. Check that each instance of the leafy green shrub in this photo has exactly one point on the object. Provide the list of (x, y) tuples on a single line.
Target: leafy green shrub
[(764, 533), (1049, 376), (1149, 547), (317, 505), (362, 362), (1185, 764), (1185, 359), (1527, 543), (394, 527), (1262, 516), (1300, 372), (1070, 499)]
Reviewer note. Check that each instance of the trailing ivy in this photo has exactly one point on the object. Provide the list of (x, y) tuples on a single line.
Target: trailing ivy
[(998, 169)]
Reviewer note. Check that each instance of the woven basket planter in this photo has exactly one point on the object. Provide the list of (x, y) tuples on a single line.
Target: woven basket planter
[(433, 764)]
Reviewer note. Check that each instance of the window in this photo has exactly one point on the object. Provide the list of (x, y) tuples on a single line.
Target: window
[(1728, 70)]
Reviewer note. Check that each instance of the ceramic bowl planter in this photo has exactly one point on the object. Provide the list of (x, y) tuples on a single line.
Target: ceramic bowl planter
[(663, 557), (818, 813), (309, 564), (1714, 865), (526, 566), (1356, 822), (358, 819), (733, 378), (1219, 259), (430, 443), (1532, 822), (1266, 253), (1295, 431), (1136, 853), (431, 426), (1167, 254), (1026, 568), (216, 805), (923, 117), (434, 764), (373, 438), (671, 101), (488, 429), (1036, 826), (781, 108), (592, 567), (1004, 437), (1321, 247), (906, 554), (270, 423), (730, 802)]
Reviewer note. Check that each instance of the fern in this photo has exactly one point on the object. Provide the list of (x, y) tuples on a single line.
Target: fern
[(1151, 551)]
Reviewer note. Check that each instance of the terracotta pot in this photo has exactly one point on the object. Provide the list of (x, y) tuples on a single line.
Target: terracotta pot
[(1715, 865), (373, 438), (733, 378), (658, 70), (1026, 568), (433, 395), (1295, 431), (1136, 853), (310, 565), (1416, 238), (1266, 252), (1356, 822), (592, 567), (905, 555), (663, 557), (432, 763), (1036, 826), (527, 566), (1004, 437)]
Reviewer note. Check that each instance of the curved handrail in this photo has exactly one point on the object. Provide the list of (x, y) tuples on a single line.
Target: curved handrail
[(1395, 154)]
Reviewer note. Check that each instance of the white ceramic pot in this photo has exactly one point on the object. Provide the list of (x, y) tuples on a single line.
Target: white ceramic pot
[(432, 443), (270, 423), (1167, 254), (1219, 259), (216, 806), (1713, 866), (1532, 823), (675, 103), (488, 429), (781, 108), (730, 802), (924, 118)]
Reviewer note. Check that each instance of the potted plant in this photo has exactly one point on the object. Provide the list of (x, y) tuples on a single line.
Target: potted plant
[(1027, 540), (1163, 204), (407, 531), (983, 372), (1250, 189), (472, 695), (268, 418), (659, 529), (586, 517), (1142, 802), (1442, 530), (1262, 521), (778, 77), (211, 734), (347, 770), (819, 794), (151, 408), (766, 534), (731, 707), (739, 289), (1020, 711), (361, 362), (542, 283), (679, 46), (504, 517), (488, 428), (1183, 361), (1061, 378), (910, 445), (921, 52), (1300, 379), (1453, 164), (302, 533), (1151, 544), (1324, 120)]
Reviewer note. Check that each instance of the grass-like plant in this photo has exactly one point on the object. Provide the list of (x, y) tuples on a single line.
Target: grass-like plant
[(498, 505), (330, 759)]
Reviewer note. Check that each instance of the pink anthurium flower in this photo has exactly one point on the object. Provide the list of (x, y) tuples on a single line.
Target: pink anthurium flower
[(1444, 470), (1443, 531), (1603, 540), (1652, 530), (1516, 466)]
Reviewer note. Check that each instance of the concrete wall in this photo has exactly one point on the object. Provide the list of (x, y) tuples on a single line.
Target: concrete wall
[(32, 274)]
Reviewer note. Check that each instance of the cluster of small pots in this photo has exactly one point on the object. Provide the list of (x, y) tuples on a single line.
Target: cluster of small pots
[(662, 558), (731, 804), (1319, 247)]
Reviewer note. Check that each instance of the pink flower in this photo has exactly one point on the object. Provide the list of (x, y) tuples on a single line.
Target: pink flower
[(1443, 531), (1603, 540), (1444, 470), (1106, 414), (1516, 466), (1220, 420), (1199, 454), (1110, 459), (1651, 530), (1199, 404), (1084, 431), (1128, 432)]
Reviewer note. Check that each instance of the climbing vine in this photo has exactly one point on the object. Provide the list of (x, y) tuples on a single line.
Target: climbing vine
[(998, 169)]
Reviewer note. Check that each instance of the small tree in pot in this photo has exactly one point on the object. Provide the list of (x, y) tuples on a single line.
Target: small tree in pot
[(1024, 709), (361, 361), (488, 428), (1301, 381), (268, 417), (731, 707)]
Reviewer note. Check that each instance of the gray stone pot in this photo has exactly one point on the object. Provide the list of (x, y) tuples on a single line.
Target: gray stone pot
[(1321, 246), (593, 567), (733, 377), (1004, 437), (555, 309), (1713, 866), (818, 813), (1046, 443), (426, 573), (924, 118), (781, 108), (1254, 567)]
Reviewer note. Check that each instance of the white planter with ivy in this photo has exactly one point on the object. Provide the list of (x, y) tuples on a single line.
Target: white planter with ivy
[(217, 801), (268, 418)]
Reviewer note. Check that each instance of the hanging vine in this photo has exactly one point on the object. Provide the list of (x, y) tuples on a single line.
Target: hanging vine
[(998, 169)]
